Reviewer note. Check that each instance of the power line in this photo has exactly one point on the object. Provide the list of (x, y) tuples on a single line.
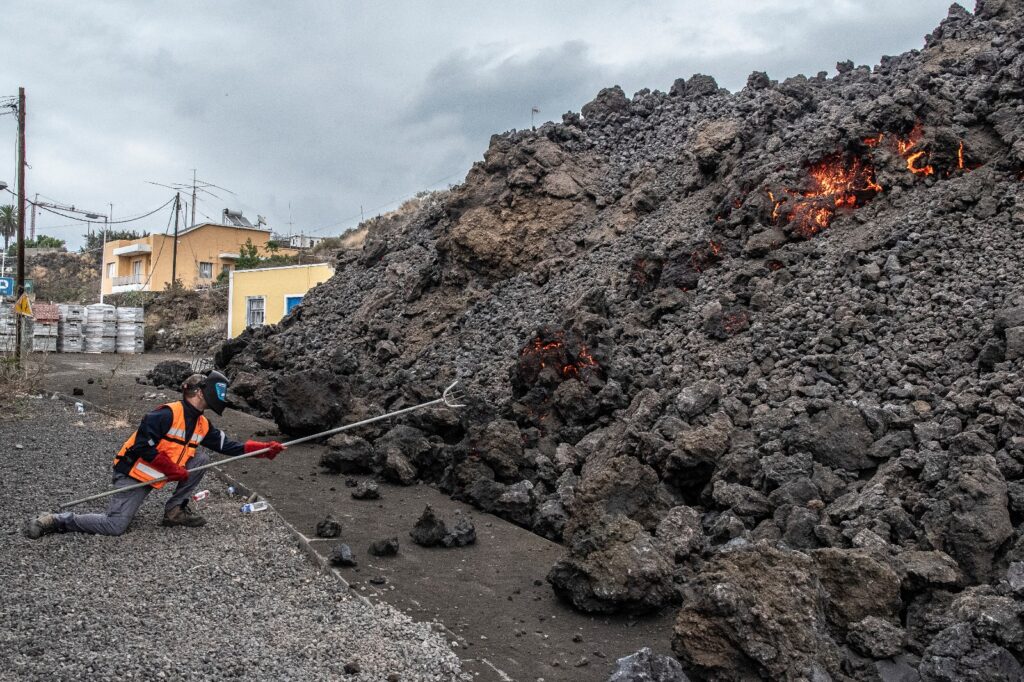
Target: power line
[(107, 222), (153, 264)]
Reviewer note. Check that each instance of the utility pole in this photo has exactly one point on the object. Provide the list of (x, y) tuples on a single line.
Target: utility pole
[(20, 322), (174, 251), (103, 264), (193, 198)]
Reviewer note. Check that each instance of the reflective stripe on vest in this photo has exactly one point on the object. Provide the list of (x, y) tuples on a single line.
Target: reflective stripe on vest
[(173, 444)]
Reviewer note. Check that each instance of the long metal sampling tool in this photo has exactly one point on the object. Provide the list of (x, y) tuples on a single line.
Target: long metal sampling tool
[(449, 397)]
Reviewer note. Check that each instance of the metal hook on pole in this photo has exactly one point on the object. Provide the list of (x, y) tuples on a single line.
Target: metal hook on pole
[(451, 397)]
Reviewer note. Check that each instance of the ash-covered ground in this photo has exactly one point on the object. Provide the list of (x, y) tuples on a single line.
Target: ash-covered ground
[(756, 354)]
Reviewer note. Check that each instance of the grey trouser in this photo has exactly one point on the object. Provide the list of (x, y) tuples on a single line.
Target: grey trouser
[(122, 507)]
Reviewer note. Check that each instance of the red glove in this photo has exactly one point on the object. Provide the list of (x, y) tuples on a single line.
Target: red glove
[(271, 453), (165, 466)]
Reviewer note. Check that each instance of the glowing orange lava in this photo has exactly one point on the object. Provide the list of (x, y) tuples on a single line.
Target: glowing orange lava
[(701, 258), (555, 350), (847, 180), (905, 148), (837, 181)]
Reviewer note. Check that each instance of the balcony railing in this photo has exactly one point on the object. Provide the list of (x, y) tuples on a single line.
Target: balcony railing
[(127, 279)]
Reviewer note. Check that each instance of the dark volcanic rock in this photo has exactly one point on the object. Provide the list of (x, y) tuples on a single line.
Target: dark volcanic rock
[(876, 637), (396, 467), (971, 520), (647, 666), (680, 533), (347, 455), (623, 485), (328, 528), (366, 490), (402, 453), (385, 547), (857, 585), (610, 565), (753, 611), (430, 531), (169, 374), (957, 653), (838, 437), (342, 556), (306, 402), (461, 532)]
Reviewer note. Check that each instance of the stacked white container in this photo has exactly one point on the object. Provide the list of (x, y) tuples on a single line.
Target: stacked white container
[(44, 336), (8, 330), (69, 331), (100, 328), (140, 331), (128, 320)]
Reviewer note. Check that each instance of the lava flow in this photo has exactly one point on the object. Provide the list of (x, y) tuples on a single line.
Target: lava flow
[(906, 147), (917, 159), (551, 350), (705, 256), (837, 181)]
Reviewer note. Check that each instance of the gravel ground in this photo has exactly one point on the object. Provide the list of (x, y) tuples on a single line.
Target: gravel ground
[(235, 599)]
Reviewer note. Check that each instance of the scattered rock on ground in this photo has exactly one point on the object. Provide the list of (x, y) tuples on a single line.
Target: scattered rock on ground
[(647, 666), (341, 555), (385, 547), (367, 490), (328, 527), (169, 374), (431, 531)]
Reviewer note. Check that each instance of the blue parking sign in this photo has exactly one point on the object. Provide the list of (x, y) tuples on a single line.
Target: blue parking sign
[(6, 286)]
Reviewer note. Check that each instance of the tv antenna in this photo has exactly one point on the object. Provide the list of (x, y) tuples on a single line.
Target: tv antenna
[(195, 187)]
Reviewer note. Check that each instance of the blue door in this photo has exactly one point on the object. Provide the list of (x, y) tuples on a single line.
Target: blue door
[(290, 302)]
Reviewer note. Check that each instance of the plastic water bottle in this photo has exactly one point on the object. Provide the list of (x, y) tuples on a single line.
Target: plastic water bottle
[(80, 408), (201, 495), (250, 507)]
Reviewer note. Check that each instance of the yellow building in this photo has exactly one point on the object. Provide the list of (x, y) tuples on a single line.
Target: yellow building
[(204, 251), (265, 295)]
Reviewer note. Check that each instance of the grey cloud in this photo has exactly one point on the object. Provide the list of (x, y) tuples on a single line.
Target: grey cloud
[(331, 106), (481, 92)]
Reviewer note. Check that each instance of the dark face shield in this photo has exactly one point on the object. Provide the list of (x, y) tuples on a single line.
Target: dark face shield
[(215, 392)]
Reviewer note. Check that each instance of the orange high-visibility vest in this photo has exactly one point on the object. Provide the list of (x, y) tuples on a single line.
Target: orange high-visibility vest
[(173, 444)]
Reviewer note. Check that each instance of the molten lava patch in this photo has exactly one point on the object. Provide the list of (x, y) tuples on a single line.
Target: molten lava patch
[(847, 180), (705, 256), (838, 181), (552, 356)]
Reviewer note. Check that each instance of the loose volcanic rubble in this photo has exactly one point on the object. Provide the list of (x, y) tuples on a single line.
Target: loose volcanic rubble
[(430, 531), (647, 666), (341, 555), (169, 374), (328, 527), (756, 353), (385, 547)]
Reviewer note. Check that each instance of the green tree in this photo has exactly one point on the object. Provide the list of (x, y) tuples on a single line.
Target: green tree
[(41, 242), (8, 223), (94, 241), (248, 256)]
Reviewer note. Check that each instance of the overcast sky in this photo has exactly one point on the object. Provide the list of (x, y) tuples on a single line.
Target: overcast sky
[(333, 106)]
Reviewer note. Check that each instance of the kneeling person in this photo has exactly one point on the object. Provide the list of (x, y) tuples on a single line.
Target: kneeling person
[(165, 444)]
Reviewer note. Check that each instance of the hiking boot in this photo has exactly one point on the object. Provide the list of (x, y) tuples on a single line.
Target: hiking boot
[(182, 516), (44, 524)]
